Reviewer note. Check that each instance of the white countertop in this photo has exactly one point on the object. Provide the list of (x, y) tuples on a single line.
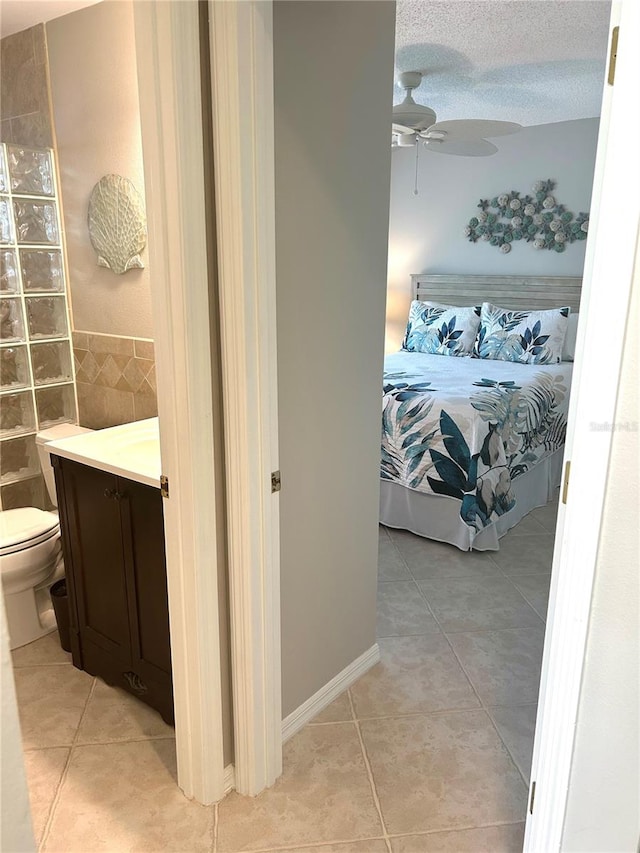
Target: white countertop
[(130, 450)]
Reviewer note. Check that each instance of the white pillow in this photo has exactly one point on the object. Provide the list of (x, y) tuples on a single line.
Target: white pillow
[(527, 337), (441, 329), (569, 347)]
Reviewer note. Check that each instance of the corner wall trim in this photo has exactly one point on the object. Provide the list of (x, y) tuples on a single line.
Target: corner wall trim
[(331, 690), (229, 779)]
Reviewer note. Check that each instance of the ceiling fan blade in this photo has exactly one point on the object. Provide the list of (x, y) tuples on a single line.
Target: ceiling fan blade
[(401, 128), (463, 129), (462, 147)]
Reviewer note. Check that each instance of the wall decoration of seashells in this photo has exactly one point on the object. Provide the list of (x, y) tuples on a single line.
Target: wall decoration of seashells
[(117, 224), (537, 219)]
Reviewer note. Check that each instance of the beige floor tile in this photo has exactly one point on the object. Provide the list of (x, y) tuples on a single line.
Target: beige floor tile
[(471, 604), (525, 555), (44, 770), (442, 771), (124, 796), (547, 516), (517, 727), (323, 796), (504, 666), (527, 526), (415, 675), (402, 611), (391, 566), (339, 711), (508, 838), (428, 559), (112, 714), (373, 845), (535, 588), (51, 700), (46, 650)]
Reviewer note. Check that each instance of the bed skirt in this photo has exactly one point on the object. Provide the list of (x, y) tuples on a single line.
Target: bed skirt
[(438, 516)]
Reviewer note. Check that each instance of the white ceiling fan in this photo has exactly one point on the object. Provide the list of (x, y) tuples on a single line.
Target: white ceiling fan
[(413, 123)]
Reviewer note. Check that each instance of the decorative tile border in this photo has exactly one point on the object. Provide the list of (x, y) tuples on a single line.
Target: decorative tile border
[(116, 379)]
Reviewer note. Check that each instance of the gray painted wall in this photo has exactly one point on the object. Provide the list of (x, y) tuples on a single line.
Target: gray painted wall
[(333, 89), (426, 231), (604, 790)]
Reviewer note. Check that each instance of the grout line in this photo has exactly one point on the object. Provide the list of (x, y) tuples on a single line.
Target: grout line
[(513, 583), (421, 832), (139, 739), (318, 845), (483, 705), (367, 764), (65, 771), (214, 834)]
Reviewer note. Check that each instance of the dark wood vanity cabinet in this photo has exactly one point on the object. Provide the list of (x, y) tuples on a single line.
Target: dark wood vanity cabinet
[(113, 542)]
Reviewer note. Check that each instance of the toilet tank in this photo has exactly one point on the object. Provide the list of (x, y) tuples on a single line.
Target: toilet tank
[(42, 439)]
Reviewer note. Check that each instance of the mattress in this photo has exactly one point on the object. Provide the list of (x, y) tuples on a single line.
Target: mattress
[(464, 430)]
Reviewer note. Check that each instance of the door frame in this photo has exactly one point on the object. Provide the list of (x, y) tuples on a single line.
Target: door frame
[(167, 49), (241, 40), (168, 57), (608, 280)]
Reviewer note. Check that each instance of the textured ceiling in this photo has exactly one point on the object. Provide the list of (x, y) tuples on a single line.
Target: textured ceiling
[(530, 61)]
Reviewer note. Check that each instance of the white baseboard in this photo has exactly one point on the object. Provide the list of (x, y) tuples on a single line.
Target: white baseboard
[(331, 690), (308, 710), (229, 778)]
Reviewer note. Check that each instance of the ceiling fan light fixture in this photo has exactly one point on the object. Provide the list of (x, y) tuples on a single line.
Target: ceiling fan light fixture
[(405, 140)]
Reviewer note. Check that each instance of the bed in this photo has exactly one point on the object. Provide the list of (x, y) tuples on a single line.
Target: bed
[(471, 445)]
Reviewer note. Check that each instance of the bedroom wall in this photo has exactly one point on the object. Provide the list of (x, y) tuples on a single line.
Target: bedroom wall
[(604, 789), (333, 64), (426, 231)]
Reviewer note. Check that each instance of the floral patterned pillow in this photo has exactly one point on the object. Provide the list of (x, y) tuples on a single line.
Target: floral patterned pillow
[(441, 329), (528, 337)]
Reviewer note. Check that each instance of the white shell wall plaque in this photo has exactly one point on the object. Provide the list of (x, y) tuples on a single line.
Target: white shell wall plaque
[(117, 224)]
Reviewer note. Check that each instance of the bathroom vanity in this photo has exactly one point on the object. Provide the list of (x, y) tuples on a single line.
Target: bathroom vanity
[(111, 518)]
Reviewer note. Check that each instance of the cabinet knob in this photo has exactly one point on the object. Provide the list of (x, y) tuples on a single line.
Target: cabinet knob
[(114, 494)]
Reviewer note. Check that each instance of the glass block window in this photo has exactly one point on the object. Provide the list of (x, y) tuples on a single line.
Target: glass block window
[(37, 385), (51, 363), (7, 232), (16, 414), (9, 282), (42, 270), (14, 368), (31, 171), (46, 317), (35, 221)]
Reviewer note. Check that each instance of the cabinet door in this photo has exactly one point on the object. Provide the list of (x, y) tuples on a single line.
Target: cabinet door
[(98, 565), (143, 533)]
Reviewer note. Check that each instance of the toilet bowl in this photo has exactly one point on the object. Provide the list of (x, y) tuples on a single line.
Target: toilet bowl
[(31, 555)]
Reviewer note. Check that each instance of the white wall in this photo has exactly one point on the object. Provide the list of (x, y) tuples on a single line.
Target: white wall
[(426, 231), (333, 65), (603, 809), (16, 832), (94, 91)]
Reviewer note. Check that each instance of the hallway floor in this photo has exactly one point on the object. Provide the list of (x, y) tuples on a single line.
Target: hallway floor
[(429, 751)]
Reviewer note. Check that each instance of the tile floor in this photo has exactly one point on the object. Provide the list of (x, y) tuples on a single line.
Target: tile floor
[(429, 752)]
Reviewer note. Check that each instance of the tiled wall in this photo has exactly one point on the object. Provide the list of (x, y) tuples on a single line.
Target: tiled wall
[(116, 379), (25, 117)]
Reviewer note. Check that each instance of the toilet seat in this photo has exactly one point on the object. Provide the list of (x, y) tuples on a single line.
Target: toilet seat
[(23, 528)]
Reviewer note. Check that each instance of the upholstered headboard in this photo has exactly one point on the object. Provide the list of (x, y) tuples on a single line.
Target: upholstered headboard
[(507, 291)]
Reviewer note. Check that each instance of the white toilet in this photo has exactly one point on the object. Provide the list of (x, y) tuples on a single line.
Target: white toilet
[(31, 554)]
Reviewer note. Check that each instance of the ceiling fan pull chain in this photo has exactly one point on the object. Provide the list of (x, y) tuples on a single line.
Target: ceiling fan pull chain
[(415, 187)]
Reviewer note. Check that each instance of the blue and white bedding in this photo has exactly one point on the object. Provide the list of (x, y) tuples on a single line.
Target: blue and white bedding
[(466, 428)]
